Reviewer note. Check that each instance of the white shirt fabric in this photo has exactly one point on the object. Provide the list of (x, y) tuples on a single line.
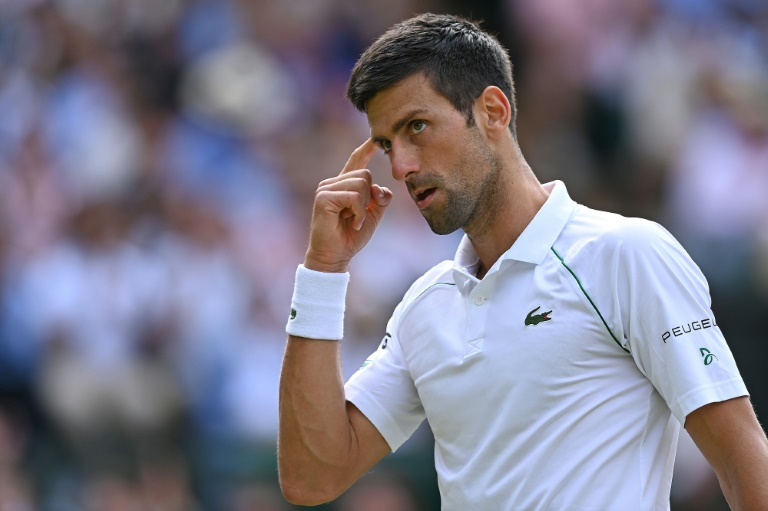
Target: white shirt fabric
[(561, 379)]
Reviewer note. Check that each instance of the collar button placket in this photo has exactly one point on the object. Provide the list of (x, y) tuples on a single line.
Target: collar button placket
[(478, 305)]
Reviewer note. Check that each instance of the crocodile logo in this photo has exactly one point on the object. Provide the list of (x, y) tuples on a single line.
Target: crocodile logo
[(535, 319), (293, 314)]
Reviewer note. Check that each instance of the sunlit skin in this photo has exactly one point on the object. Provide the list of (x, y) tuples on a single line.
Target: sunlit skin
[(460, 176), (473, 177), (448, 168)]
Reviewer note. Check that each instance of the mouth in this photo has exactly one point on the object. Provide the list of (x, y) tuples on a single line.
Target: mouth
[(424, 197)]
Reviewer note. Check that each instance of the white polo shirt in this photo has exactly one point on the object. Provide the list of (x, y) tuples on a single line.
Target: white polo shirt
[(561, 379)]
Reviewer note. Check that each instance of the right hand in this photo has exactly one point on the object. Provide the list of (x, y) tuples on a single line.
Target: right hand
[(347, 210)]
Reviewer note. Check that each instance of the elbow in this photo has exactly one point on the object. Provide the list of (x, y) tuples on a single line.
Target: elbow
[(295, 494), (307, 491), (301, 497)]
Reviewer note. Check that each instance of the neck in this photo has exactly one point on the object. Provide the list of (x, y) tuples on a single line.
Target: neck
[(514, 204)]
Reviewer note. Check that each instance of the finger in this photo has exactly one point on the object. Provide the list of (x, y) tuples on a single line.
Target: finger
[(353, 178), (347, 204), (360, 157), (382, 197), (360, 185)]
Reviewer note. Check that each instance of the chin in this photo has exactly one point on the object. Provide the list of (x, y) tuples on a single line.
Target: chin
[(442, 228)]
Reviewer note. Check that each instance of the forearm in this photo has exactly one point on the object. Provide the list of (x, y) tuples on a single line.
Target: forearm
[(315, 445)]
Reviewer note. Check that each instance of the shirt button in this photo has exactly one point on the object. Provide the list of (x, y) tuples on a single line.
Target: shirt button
[(479, 300)]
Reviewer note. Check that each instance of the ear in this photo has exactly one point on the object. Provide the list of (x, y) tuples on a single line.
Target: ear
[(493, 111)]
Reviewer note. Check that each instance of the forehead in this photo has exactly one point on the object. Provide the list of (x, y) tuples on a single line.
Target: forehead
[(413, 93)]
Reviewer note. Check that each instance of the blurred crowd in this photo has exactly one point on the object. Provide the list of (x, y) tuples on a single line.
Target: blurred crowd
[(158, 162)]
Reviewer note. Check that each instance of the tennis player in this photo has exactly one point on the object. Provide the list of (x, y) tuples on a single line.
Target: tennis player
[(556, 357)]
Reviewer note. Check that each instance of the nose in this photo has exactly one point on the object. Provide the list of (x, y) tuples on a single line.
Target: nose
[(404, 162)]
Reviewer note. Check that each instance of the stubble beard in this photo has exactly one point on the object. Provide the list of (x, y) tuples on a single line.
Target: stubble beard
[(469, 204)]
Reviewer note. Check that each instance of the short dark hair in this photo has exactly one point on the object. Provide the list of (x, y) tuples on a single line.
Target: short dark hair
[(458, 58)]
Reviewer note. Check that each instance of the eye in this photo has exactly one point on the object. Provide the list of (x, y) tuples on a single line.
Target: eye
[(386, 145), (418, 126)]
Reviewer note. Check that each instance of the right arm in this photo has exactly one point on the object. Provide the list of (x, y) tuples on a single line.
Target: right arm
[(325, 443)]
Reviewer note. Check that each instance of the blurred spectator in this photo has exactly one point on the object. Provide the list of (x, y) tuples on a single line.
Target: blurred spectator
[(158, 162), (107, 492), (258, 497), (207, 297), (94, 308), (15, 493), (718, 187), (164, 485), (35, 209), (380, 492)]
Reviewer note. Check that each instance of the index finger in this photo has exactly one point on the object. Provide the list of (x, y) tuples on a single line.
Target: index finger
[(360, 157)]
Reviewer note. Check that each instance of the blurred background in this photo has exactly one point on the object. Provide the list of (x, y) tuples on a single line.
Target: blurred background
[(158, 161)]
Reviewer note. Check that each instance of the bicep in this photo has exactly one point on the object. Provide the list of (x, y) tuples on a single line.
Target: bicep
[(370, 445), (733, 442), (721, 430)]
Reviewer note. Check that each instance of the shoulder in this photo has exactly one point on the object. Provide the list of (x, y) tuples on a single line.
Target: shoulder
[(619, 250), (597, 232), (440, 274), (439, 277)]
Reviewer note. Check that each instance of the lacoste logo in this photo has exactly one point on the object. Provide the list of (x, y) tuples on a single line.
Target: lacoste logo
[(708, 356), (293, 313), (535, 319)]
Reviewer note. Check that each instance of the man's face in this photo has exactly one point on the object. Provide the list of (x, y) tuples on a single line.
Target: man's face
[(447, 166)]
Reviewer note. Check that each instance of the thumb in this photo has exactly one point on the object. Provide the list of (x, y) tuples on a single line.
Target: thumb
[(381, 197)]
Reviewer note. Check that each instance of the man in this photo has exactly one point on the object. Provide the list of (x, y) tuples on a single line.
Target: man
[(556, 357)]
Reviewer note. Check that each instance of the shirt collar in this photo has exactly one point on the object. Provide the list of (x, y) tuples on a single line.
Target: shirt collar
[(534, 243)]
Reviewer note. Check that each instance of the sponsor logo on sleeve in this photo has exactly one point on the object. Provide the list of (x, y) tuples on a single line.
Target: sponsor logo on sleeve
[(708, 356), (370, 360), (687, 328)]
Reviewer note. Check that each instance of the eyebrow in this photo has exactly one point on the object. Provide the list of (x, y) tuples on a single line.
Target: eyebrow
[(398, 125)]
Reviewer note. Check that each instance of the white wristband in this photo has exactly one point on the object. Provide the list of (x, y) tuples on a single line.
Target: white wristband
[(317, 308)]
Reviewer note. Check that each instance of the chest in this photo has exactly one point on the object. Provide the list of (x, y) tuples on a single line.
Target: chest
[(523, 342)]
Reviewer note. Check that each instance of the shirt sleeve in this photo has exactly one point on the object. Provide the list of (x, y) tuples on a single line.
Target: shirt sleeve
[(383, 390), (668, 322)]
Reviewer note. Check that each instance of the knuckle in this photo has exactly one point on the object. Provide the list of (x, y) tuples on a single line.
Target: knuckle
[(324, 196), (365, 176), (362, 174), (353, 191), (352, 183), (356, 196), (359, 183)]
